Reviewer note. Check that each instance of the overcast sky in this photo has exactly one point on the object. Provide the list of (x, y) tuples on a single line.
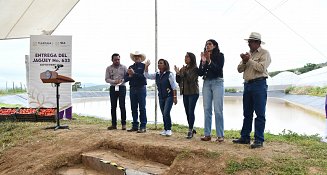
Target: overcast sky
[(293, 30)]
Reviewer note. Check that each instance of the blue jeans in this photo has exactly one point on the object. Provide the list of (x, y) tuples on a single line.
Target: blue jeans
[(114, 96), (254, 100), (189, 105), (138, 100), (165, 106), (213, 91)]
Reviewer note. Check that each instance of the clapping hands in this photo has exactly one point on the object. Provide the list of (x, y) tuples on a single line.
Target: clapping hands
[(179, 70), (245, 57), (176, 69), (205, 56), (147, 63), (130, 72)]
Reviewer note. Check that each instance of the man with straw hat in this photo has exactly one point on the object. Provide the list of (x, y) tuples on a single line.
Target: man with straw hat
[(137, 82), (254, 66)]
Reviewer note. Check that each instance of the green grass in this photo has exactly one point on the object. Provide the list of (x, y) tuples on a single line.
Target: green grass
[(288, 165), (9, 105), (249, 163), (13, 132), (12, 91), (307, 90)]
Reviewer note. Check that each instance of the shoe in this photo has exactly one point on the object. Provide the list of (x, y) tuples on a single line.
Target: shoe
[(163, 133), (189, 134), (112, 127), (132, 130), (123, 127), (169, 133), (206, 138), (142, 130), (241, 141), (220, 139), (256, 144), (194, 131)]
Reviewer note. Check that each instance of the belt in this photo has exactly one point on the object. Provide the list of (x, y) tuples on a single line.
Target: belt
[(256, 79)]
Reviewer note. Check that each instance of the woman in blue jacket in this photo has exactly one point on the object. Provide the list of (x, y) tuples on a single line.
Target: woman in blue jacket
[(167, 91)]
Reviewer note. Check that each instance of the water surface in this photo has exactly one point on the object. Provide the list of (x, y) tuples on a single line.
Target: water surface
[(280, 115)]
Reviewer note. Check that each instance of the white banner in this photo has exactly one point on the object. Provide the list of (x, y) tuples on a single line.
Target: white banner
[(46, 53)]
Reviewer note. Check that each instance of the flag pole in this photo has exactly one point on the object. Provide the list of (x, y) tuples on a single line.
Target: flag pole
[(156, 57)]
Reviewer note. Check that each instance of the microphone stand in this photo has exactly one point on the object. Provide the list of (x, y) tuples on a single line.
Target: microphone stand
[(57, 116)]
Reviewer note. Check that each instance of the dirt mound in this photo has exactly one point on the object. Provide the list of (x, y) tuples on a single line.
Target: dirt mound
[(50, 150)]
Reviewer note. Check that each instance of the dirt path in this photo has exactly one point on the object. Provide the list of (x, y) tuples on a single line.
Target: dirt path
[(49, 150)]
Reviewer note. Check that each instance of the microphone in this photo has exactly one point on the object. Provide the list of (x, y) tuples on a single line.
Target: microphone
[(58, 66)]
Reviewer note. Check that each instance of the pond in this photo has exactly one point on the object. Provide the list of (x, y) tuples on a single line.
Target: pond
[(281, 115)]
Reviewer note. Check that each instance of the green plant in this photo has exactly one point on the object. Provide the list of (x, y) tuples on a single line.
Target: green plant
[(307, 90), (249, 163), (232, 90)]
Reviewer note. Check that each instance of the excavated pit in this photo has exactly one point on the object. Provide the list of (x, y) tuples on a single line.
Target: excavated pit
[(119, 158)]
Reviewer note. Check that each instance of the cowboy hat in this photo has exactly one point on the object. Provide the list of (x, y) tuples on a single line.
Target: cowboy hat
[(137, 53), (255, 36)]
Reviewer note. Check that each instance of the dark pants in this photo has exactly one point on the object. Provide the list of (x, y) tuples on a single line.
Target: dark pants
[(165, 106), (189, 105), (114, 96), (138, 100), (254, 100)]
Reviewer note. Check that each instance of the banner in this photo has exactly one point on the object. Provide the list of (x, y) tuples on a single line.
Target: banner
[(47, 53)]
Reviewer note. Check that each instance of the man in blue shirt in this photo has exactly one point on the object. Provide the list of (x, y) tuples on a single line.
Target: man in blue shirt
[(137, 83)]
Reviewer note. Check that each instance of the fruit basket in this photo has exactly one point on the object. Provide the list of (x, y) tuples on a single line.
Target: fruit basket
[(26, 114), (7, 114), (46, 115)]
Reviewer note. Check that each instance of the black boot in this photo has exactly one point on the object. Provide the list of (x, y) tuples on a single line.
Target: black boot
[(112, 127), (256, 144), (241, 141), (189, 134)]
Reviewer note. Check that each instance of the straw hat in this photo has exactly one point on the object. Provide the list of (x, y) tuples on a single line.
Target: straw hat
[(138, 53), (255, 36)]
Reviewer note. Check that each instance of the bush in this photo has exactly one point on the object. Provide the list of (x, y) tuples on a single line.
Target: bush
[(307, 90), (232, 90)]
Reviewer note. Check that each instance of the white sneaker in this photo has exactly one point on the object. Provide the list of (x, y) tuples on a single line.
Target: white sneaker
[(168, 133), (163, 133)]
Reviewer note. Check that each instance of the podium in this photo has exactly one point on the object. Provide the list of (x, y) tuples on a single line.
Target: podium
[(53, 77)]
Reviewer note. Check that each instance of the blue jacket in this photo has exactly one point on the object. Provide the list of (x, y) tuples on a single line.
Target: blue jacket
[(164, 88)]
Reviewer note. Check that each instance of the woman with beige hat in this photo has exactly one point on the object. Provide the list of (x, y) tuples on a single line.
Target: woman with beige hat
[(137, 83)]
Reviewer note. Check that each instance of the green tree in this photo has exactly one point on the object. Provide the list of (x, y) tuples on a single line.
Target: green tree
[(76, 86)]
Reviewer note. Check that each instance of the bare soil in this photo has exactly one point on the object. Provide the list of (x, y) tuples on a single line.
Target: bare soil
[(49, 150)]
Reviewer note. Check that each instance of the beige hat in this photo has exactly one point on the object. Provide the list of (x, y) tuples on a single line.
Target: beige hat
[(138, 53), (255, 36)]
